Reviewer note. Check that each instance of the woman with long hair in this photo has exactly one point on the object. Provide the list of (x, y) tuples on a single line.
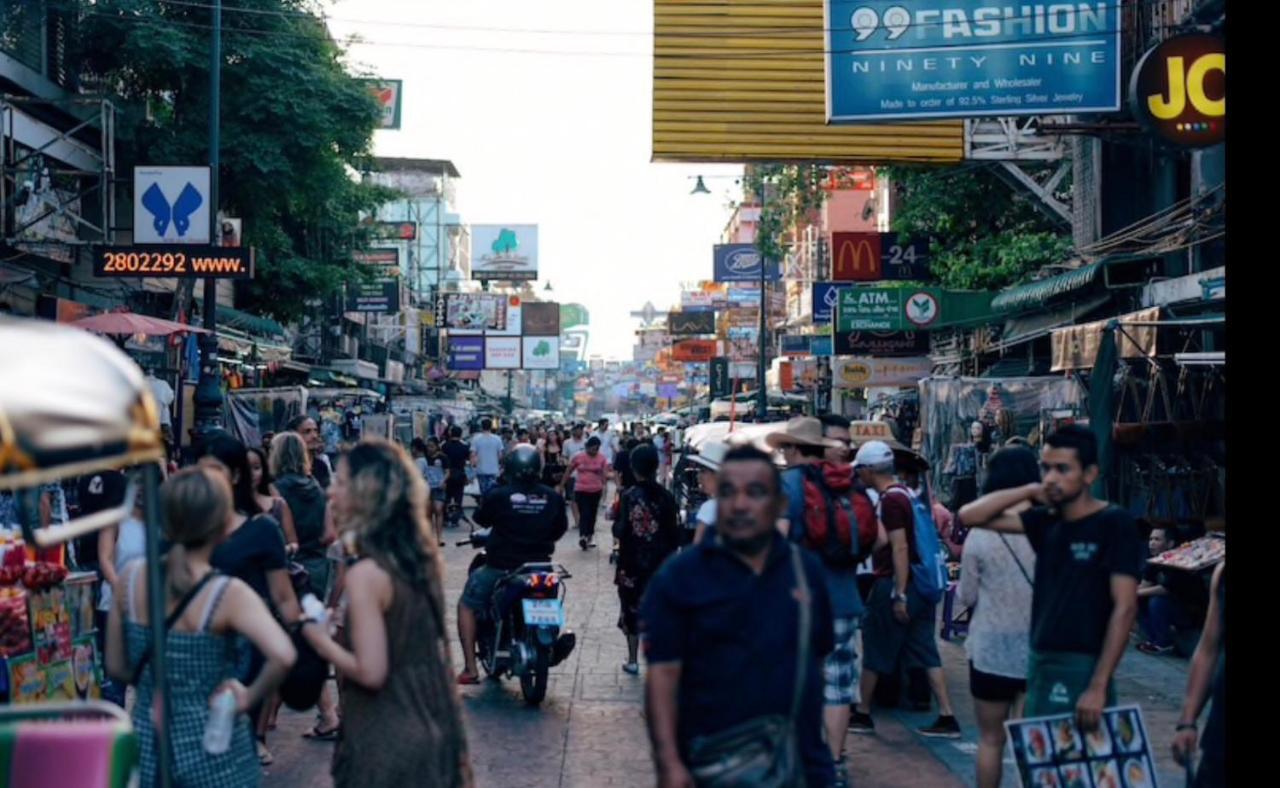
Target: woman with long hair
[(211, 611), (552, 459), (401, 719), (291, 469), (268, 500), (253, 551), (996, 580)]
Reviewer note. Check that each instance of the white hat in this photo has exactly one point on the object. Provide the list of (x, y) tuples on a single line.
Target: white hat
[(873, 453), (801, 431), (711, 455)]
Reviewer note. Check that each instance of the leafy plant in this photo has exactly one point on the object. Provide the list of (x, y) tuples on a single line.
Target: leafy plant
[(296, 126), (789, 195)]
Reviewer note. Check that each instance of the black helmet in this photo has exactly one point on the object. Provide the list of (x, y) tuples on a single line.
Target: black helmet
[(523, 464)]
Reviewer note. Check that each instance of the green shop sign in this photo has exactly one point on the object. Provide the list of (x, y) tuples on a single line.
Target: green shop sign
[(909, 308)]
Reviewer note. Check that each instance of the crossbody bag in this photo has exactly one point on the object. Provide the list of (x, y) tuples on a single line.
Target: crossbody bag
[(761, 752)]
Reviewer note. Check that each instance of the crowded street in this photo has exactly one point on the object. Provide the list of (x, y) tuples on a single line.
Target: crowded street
[(674, 393)]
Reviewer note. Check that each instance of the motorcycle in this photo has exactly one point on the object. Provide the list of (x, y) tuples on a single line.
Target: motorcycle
[(522, 631)]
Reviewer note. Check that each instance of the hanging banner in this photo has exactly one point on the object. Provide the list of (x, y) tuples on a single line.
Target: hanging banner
[(741, 263), (691, 323), (881, 343), (874, 257), (1076, 347), (694, 350), (967, 58), (863, 372)]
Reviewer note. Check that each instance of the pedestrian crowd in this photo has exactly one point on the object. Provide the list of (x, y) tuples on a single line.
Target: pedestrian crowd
[(772, 604)]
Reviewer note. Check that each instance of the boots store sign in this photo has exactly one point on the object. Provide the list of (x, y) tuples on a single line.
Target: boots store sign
[(1179, 90), (741, 263)]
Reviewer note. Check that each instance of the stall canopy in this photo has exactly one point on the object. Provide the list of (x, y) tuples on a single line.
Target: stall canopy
[(1038, 293)]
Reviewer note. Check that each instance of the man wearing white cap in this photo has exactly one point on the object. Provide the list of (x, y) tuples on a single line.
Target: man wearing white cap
[(899, 622), (708, 460)]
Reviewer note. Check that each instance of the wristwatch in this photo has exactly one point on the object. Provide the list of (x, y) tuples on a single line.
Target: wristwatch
[(895, 597)]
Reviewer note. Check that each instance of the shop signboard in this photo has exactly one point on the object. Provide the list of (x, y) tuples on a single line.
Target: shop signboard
[(471, 313), (744, 349), (1178, 90), (743, 296), (968, 58), (540, 352), (389, 94), (502, 353), (171, 205), (880, 343), (691, 323), (504, 252), (825, 297), (907, 308), (749, 333), (794, 344), (172, 262), (694, 350), (395, 231), (863, 372), (384, 257), (741, 263), (573, 315), (874, 257), (466, 353), (719, 381), (742, 370), (381, 296), (821, 347), (540, 319)]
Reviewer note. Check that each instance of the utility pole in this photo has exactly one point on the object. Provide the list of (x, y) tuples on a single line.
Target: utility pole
[(762, 395), (208, 396)]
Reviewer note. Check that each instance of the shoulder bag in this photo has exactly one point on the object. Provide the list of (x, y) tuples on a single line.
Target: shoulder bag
[(760, 752)]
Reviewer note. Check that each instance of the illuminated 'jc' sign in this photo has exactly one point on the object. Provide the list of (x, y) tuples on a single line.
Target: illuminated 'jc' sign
[(1187, 83)]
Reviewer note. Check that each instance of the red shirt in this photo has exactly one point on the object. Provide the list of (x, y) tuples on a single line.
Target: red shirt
[(897, 515), (590, 472)]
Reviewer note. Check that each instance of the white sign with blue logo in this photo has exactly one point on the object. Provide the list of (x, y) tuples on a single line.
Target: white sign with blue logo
[(741, 263), (890, 59), (171, 205)]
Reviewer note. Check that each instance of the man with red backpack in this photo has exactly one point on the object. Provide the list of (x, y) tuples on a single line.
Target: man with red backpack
[(910, 581), (833, 518)]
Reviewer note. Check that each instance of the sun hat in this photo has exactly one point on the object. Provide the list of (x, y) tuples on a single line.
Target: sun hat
[(873, 453), (801, 431), (711, 455)]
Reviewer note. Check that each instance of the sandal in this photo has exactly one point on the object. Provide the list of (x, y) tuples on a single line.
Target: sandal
[(468, 679), (321, 735)]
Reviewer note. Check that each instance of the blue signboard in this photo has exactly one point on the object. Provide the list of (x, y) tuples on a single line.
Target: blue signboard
[(795, 344), (466, 353), (825, 296), (741, 263), (888, 59), (821, 346)]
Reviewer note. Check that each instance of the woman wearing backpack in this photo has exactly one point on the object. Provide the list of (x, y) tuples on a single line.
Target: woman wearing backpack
[(996, 577)]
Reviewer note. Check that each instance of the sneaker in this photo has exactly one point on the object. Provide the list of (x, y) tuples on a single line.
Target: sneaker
[(582, 542), (1148, 647), (631, 667), (265, 758), (861, 723), (942, 728)]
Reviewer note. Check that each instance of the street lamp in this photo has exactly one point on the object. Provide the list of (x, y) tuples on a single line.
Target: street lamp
[(208, 395)]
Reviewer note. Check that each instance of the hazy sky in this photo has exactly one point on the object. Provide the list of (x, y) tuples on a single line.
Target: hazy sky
[(559, 140)]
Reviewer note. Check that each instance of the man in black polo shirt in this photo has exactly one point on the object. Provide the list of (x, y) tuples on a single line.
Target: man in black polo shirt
[(1089, 556), (720, 623)]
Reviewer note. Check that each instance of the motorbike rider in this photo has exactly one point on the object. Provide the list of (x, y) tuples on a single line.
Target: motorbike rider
[(527, 518)]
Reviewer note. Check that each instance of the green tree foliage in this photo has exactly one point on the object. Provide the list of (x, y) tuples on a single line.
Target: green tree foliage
[(986, 235), (785, 193), (296, 124)]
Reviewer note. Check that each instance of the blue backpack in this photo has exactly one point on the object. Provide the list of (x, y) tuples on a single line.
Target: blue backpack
[(928, 573)]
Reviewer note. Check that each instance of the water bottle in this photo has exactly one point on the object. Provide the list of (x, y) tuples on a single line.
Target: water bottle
[(222, 718)]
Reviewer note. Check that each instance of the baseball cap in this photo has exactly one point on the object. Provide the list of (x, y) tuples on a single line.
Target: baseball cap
[(711, 455), (873, 453)]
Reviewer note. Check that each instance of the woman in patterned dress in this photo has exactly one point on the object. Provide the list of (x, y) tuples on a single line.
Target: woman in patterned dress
[(200, 651)]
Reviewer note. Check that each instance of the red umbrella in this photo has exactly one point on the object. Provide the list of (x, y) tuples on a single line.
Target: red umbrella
[(129, 323)]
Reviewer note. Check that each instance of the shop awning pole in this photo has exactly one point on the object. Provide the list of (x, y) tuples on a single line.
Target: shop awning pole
[(1102, 396)]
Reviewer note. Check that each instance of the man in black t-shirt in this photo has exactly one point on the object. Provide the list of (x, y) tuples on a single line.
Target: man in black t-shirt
[(456, 457), (1089, 556)]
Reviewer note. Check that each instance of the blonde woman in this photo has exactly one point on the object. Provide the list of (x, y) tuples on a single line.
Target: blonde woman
[(400, 712), (199, 653), (305, 499)]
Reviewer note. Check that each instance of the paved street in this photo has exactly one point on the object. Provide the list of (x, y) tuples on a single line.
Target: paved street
[(590, 731)]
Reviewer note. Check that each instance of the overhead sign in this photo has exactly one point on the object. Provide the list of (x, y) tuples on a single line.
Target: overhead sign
[(502, 353), (388, 93), (472, 313), (466, 353), (825, 296), (720, 383), (1179, 90), (880, 343), (180, 262), (504, 252), (907, 308), (695, 350), (741, 263), (541, 318), (872, 257), (686, 323), (388, 257), (969, 58), (540, 352), (381, 296), (862, 372), (171, 205)]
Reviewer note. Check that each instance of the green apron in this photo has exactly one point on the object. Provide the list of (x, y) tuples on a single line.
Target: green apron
[(1057, 679)]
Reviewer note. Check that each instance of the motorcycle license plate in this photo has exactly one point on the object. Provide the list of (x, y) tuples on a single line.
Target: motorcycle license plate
[(543, 613)]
